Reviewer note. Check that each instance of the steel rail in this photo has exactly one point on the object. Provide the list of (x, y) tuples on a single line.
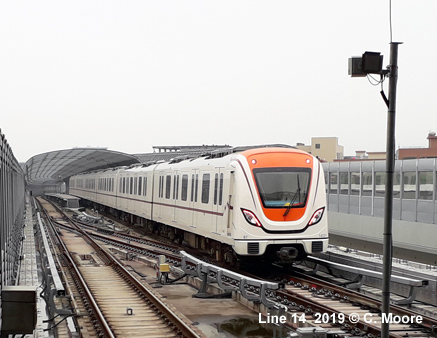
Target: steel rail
[(354, 296), (172, 258), (100, 324), (320, 308), (181, 327)]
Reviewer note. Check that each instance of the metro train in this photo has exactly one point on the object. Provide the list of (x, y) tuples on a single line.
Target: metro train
[(259, 204)]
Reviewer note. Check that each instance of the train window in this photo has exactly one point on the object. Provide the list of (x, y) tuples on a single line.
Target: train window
[(205, 188), (131, 186), (196, 187), (120, 186), (184, 191), (124, 185), (140, 185), (160, 187), (167, 186), (425, 185), (192, 188), (344, 183), (367, 184), (145, 186), (355, 183), (283, 187), (333, 183), (135, 185), (409, 185), (379, 184), (215, 188), (221, 190), (176, 187)]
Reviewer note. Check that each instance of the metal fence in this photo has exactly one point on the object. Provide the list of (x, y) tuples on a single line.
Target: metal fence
[(12, 196)]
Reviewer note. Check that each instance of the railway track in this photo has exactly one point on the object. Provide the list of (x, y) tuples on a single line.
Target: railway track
[(320, 303), (330, 305), (116, 303)]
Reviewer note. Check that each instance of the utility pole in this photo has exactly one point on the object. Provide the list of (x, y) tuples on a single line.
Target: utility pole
[(388, 205), (371, 63)]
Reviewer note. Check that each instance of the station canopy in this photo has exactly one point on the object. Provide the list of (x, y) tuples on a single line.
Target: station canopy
[(56, 166)]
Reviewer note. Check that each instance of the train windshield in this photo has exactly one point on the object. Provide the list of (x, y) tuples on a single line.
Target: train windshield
[(283, 187)]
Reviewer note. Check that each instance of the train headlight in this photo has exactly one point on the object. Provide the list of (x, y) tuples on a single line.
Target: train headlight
[(317, 216), (251, 218)]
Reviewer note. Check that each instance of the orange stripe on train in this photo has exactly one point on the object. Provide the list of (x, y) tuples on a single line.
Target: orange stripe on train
[(279, 157)]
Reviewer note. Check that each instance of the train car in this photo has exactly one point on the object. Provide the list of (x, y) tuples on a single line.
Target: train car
[(134, 191), (263, 202), (105, 188)]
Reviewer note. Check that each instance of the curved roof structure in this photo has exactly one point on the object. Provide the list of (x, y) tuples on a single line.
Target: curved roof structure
[(56, 166)]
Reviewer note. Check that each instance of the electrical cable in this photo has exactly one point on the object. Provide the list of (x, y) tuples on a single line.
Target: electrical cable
[(51, 328), (376, 82)]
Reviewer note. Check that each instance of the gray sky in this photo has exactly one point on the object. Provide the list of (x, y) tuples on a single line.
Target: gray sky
[(131, 74)]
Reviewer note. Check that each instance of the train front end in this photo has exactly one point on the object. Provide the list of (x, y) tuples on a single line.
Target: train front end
[(280, 204)]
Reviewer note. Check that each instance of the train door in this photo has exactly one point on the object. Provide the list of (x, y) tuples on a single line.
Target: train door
[(157, 206), (218, 200), (175, 195), (230, 204), (194, 196)]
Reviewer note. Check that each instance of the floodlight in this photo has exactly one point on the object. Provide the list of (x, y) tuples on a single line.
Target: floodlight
[(356, 66), (372, 63)]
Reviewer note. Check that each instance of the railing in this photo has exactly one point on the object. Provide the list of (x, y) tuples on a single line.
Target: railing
[(250, 288), (11, 212)]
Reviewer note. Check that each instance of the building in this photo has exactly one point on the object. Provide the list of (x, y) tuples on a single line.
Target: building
[(431, 151), (325, 148), (362, 155)]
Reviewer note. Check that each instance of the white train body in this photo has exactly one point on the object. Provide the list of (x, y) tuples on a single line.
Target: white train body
[(261, 201)]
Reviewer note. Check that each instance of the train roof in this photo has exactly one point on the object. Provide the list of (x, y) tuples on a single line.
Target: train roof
[(194, 159)]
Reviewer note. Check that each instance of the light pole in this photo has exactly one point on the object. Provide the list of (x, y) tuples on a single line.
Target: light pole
[(389, 173), (371, 63)]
